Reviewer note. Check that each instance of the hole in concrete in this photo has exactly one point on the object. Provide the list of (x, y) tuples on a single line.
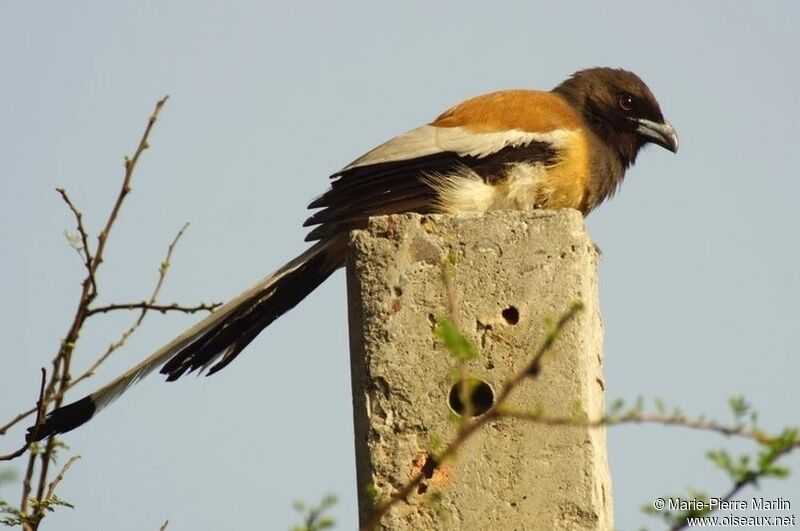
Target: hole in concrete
[(478, 393), (429, 467), (511, 315)]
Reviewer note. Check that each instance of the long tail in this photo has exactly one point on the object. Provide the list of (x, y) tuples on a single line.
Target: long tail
[(216, 340)]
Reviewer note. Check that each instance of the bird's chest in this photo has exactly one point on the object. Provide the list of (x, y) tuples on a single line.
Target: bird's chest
[(539, 186), (562, 184)]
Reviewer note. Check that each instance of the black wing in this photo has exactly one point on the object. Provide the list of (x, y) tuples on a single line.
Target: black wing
[(402, 185)]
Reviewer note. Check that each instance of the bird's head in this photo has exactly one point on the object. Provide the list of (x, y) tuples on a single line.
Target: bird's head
[(621, 110)]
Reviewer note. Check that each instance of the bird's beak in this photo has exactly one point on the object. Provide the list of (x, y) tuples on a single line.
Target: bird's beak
[(662, 133)]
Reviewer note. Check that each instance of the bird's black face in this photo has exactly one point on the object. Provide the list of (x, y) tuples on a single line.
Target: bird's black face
[(621, 108), (638, 113), (630, 110)]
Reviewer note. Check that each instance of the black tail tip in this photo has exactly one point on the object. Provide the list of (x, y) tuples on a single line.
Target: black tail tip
[(62, 420)]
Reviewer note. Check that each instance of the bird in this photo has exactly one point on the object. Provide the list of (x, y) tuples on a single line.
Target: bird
[(568, 147)]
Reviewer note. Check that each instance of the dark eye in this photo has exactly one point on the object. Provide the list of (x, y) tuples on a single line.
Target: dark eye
[(626, 102)]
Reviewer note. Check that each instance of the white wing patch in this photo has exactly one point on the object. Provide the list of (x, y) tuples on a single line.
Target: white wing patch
[(466, 143), (461, 191), (429, 140), (524, 187)]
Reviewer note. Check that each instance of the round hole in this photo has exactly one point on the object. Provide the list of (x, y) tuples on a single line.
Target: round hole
[(479, 396), (511, 315)]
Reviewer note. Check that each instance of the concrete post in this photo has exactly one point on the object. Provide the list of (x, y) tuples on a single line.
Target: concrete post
[(508, 271)]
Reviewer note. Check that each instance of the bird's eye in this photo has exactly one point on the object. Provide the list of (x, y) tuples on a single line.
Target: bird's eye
[(626, 102)]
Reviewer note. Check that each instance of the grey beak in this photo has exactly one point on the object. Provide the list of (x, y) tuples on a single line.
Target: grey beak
[(662, 134)]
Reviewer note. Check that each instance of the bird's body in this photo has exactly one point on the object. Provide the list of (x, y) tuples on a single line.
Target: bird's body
[(512, 149)]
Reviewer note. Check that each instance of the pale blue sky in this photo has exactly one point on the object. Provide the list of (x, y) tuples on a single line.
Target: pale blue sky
[(699, 280)]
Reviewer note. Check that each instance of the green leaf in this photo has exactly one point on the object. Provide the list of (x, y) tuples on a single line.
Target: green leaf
[(459, 346), (739, 406)]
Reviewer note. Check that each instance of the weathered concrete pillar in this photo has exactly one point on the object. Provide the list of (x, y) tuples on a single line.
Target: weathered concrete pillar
[(508, 271)]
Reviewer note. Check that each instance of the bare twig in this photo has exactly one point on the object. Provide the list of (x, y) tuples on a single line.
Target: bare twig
[(85, 251), (61, 364), (26, 482), (39, 409), (89, 290), (468, 429), (16, 420), (52, 390), (164, 267), (148, 306), (51, 488), (130, 165), (60, 379), (645, 418), (26, 485), (42, 504)]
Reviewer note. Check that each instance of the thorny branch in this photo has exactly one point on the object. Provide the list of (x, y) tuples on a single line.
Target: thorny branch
[(148, 306), (84, 251), (646, 418), (51, 488), (60, 378), (33, 507)]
